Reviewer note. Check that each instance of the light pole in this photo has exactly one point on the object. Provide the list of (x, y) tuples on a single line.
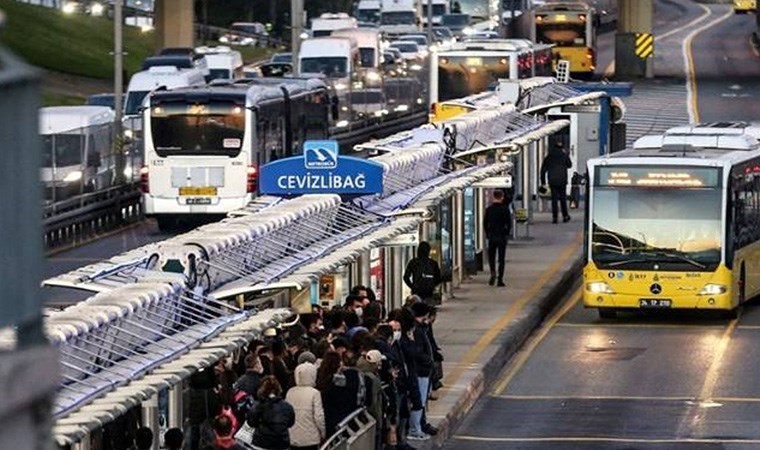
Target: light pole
[(118, 87), (296, 29)]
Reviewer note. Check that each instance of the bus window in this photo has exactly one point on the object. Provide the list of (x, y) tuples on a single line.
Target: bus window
[(215, 128), (565, 34), (460, 76)]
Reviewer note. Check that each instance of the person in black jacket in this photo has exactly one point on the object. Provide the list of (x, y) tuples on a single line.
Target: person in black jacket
[(422, 274), (423, 364), (555, 165), (498, 226), (272, 417)]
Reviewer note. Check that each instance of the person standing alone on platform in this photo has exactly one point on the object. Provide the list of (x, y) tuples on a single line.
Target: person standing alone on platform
[(498, 226), (555, 165), (423, 275)]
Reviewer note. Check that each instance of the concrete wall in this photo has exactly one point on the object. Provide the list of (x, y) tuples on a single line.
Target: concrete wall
[(173, 23)]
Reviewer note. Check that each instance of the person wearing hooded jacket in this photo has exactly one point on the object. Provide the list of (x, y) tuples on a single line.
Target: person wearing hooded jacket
[(422, 274), (555, 165), (309, 429), (271, 418)]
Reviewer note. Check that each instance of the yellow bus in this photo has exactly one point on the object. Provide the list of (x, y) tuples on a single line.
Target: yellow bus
[(745, 6), (569, 26), (673, 223)]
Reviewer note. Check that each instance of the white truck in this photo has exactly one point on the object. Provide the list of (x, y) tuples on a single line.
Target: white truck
[(222, 62), (368, 11), (399, 17), (329, 22), (76, 150), (370, 53), (440, 9)]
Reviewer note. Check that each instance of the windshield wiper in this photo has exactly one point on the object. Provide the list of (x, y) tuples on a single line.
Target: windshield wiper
[(628, 261)]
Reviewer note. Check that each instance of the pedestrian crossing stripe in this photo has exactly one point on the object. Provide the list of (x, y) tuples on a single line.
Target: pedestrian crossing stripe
[(644, 45)]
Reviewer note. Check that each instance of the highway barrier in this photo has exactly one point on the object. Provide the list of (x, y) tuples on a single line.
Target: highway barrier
[(357, 431)]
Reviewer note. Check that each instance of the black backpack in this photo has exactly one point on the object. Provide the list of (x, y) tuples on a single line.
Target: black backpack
[(425, 278)]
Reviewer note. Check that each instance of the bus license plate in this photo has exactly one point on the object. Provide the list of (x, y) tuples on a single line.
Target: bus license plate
[(654, 303), (192, 191), (198, 201)]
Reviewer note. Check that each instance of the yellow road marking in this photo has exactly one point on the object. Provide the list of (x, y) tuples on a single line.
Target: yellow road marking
[(610, 69), (623, 440), (711, 379), (691, 73), (472, 356), (74, 245), (524, 354)]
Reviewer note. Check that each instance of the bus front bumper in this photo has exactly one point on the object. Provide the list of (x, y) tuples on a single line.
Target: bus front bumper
[(638, 301)]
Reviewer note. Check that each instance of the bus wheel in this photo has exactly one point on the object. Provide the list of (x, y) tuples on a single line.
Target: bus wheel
[(607, 313), (731, 314)]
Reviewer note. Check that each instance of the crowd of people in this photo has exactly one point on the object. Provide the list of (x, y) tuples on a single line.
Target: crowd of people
[(293, 388)]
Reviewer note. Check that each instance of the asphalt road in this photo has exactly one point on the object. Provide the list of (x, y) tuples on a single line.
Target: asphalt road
[(643, 381)]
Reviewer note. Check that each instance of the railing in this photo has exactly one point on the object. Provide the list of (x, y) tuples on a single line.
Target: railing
[(86, 215), (357, 431)]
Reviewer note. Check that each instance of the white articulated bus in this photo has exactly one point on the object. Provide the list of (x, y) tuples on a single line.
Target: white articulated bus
[(204, 145)]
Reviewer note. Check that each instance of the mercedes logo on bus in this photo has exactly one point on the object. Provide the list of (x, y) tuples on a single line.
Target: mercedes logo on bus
[(655, 288)]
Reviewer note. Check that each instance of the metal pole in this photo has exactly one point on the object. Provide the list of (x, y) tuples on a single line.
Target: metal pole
[(175, 407), (150, 418), (296, 29), (118, 87), (430, 22)]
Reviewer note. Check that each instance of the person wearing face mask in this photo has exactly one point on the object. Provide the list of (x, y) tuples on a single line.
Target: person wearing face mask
[(424, 362), (354, 304)]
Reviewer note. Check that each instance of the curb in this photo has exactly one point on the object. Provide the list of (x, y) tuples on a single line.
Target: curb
[(511, 339)]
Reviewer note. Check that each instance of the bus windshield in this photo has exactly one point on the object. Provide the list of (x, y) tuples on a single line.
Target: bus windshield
[(59, 150), (334, 67), (397, 18), (438, 10), (460, 76), (672, 228), (214, 128), (367, 57), (562, 34), (134, 102)]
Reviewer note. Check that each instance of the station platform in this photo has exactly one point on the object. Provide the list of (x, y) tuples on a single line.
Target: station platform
[(483, 326)]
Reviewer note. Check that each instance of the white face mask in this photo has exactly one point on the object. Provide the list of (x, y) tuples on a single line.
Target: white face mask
[(396, 335), (359, 311)]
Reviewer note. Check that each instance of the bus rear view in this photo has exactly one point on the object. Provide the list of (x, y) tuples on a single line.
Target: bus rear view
[(196, 158)]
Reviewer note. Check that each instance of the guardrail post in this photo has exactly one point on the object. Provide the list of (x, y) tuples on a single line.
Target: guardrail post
[(29, 371)]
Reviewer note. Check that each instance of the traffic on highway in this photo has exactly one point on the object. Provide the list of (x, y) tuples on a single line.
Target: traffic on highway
[(381, 224)]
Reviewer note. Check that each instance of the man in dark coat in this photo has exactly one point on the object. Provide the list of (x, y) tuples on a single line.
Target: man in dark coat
[(555, 165), (422, 274), (498, 226)]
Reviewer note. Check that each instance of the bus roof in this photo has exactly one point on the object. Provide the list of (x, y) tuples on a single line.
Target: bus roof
[(685, 149), (61, 119), (719, 128)]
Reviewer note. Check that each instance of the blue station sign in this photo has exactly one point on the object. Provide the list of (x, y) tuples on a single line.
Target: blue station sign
[(321, 170)]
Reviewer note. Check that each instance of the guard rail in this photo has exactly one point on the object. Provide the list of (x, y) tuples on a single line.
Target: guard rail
[(357, 431), (74, 219)]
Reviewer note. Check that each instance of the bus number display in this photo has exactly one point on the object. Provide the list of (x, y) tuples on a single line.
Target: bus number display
[(677, 177)]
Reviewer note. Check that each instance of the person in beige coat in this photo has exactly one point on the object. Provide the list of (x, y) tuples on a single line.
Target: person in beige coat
[(309, 429)]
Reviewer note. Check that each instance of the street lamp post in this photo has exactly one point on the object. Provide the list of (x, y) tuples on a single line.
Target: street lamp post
[(118, 87)]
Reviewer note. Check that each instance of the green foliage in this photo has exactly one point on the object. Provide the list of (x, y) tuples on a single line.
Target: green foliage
[(75, 44), (53, 99)]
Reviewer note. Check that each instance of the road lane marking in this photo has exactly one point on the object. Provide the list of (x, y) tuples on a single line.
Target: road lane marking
[(74, 259), (591, 397), (711, 378), (524, 354), (488, 337), (690, 70), (612, 439), (697, 327), (610, 69)]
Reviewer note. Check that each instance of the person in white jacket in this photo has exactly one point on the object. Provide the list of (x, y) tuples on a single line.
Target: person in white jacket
[(309, 429)]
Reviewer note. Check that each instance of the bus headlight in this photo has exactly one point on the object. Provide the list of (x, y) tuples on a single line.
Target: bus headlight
[(73, 177), (415, 67), (468, 31), (599, 287), (713, 289)]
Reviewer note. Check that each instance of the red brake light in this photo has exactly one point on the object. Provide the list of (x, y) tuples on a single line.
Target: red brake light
[(144, 180), (251, 178)]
